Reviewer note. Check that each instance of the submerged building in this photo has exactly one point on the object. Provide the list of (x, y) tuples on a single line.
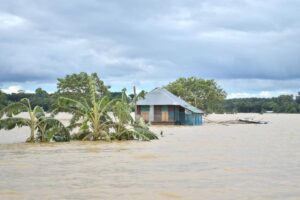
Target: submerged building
[(162, 107)]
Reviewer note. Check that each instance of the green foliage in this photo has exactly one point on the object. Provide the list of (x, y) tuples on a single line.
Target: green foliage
[(11, 123), (39, 98), (40, 92), (121, 112), (16, 97), (125, 128), (89, 115), (3, 100), (37, 121), (76, 86), (93, 119), (145, 134), (115, 95), (15, 108), (298, 99), (281, 104), (136, 133), (143, 130), (140, 95), (43, 99), (203, 94), (135, 97)]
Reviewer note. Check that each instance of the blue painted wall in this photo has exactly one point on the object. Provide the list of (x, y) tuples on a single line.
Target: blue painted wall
[(178, 114), (193, 119)]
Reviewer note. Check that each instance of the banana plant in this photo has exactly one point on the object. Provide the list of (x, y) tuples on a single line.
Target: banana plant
[(37, 121), (125, 127), (90, 116)]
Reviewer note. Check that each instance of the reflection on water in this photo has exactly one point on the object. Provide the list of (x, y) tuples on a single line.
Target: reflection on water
[(208, 162)]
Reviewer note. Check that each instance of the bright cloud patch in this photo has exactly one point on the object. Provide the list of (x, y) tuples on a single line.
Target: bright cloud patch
[(12, 89), (10, 21)]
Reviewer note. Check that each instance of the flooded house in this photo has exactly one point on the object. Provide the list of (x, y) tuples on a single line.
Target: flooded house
[(162, 107)]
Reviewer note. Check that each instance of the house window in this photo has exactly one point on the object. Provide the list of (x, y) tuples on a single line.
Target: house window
[(145, 112), (164, 113)]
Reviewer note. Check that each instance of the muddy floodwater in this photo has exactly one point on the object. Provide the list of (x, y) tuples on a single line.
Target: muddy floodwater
[(210, 162)]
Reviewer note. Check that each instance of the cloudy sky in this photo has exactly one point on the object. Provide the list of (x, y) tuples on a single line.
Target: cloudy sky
[(251, 47)]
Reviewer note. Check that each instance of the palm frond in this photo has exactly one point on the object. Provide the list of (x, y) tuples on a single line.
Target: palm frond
[(12, 122), (26, 102), (74, 121), (105, 104), (48, 127), (51, 121), (122, 112), (38, 112), (121, 132), (72, 105), (73, 126), (144, 134), (13, 109)]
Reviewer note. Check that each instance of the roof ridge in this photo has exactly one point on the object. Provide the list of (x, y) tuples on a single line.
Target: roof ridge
[(168, 94), (162, 96)]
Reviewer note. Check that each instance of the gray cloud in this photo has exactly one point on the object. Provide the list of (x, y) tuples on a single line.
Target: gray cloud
[(151, 42)]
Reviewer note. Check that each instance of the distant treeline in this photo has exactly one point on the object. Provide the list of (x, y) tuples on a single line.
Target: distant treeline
[(40, 97), (201, 93), (281, 104)]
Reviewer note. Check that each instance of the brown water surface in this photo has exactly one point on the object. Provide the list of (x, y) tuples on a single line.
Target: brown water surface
[(210, 162)]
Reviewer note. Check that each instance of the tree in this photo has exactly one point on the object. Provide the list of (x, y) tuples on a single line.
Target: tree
[(40, 92), (286, 103), (125, 127), (135, 97), (91, 116), (38, 123), (76, 86), (15, 97), (3, 99), (281, 104), (21, 91), (95, 123), (204, 94), (298, 98), (115, 95), (42, 98)]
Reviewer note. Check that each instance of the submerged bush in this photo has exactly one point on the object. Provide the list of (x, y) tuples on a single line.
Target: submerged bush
[(42, 127)]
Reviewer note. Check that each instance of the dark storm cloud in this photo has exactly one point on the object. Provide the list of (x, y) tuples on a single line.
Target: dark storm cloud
[(150, 40)]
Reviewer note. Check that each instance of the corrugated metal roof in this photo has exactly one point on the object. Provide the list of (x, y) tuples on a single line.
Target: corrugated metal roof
[(161, 96)]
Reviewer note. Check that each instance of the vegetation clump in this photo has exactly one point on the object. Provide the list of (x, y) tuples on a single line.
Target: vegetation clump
[(125, 127), (280, 104), (100, 118), (98, 114), (204, 94), (201, 93), (95, 115), (42, 127)]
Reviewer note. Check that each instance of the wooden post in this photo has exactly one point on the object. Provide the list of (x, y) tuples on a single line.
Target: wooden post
[(134, 102)]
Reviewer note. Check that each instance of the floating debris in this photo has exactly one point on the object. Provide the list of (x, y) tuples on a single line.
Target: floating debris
[(237, 121), (251, 121)]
